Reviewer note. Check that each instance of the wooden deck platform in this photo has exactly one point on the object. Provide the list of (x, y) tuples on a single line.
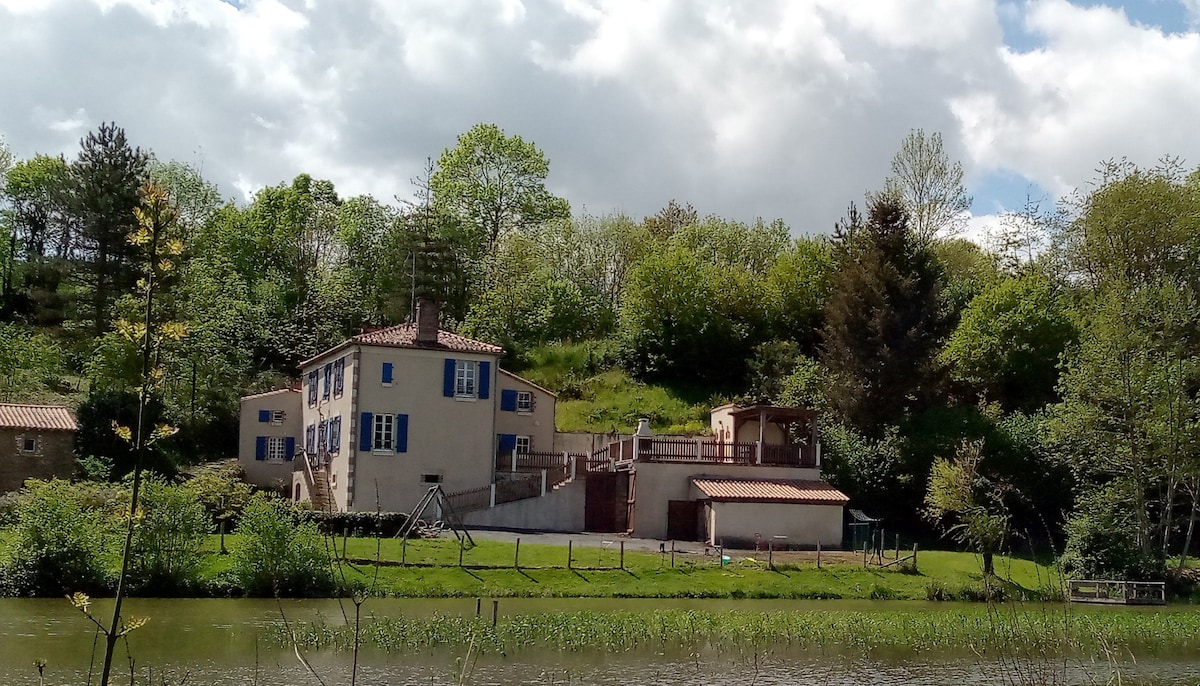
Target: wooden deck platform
[(1117, 592)]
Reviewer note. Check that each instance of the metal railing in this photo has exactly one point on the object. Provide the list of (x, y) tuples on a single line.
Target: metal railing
[(716, 452)]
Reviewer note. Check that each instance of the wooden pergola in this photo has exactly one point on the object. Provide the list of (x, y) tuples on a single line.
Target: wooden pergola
[(784, 417)]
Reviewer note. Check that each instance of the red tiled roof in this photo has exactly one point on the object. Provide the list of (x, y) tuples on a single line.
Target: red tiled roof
[(770, 491), (51, 417), (405, 336)]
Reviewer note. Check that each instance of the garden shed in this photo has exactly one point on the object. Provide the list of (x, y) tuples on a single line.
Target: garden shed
[(736, 512)]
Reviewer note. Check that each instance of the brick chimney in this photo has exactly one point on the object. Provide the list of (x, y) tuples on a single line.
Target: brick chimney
[(427, 321)]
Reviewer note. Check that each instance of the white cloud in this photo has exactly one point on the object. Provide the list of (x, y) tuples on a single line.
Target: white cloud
[(775, 108)]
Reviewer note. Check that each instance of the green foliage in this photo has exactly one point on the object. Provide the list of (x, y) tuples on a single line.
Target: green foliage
[(495, 184), (220, 490), (276, 555), (929, 186), (685, 318), (96, 417), (1009, 341), (169, 533), (58, 543), (31, 364), (883, 321), (1102, 541), (966, 503)]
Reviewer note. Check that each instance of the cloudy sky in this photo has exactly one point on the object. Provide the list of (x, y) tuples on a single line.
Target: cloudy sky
[(781, 108)]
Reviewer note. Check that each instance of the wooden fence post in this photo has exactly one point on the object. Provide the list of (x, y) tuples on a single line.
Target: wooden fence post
[(897, 546), (570, 544), (672, 554), (818, 553), (517, 555), (770, 554), (622, 554), (478, 606), (495, 611), (460, 553), (914, 557)]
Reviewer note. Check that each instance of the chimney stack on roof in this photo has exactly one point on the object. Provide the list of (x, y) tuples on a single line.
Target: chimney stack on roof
[(427, 321)]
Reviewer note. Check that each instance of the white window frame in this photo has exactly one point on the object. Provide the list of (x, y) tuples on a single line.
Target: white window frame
[(524, 402), (29, 444), (276, 448), (383, 433), (527, 442), (466, 379)]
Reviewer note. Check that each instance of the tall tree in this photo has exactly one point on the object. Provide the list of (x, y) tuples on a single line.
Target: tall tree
[(104, 183), (929, 186), (883, 320), (496, 184)]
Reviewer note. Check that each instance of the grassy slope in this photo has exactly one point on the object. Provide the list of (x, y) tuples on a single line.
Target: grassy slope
[(597, 396)]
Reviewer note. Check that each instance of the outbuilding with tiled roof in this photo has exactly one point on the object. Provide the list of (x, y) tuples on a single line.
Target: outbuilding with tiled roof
[(784, 513), (36, 442)]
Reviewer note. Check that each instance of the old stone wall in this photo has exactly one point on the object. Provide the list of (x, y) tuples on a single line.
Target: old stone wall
[(34, 454)]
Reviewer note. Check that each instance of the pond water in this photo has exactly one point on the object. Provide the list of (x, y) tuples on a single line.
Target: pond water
[(216, 641)]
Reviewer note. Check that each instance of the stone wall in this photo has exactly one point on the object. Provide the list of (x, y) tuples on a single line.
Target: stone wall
[(52, 455)]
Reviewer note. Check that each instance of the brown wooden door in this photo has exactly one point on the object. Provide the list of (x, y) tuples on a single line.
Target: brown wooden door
[(681, 520)]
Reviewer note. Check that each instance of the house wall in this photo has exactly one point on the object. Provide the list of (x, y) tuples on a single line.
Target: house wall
[(53, 456), (340, 462), (538, 424), (450, 438), (658, 482), (263, 473), (735, 524)]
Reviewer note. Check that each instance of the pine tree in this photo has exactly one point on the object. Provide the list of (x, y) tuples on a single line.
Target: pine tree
[(884, 319)]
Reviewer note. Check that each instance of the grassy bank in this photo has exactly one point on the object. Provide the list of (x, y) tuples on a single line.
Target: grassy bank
[(488, 570), (431, 569), (997, 630), (597, 396)]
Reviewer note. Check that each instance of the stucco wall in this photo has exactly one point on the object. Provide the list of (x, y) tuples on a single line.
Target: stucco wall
[(53, 456), (267, 474), (538, 424), (340, 462), (656, 483), (447, 437), (558, 510), (735, 524)]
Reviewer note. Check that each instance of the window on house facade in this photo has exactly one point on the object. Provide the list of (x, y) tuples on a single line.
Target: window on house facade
[(323, 436), (339, 377), (431, 478), (328, 376), (28, 444), (312, 388), (384, 432), (465, 376), (524, 401), (276, 448), (523, 444), (277, 417), (310, 439), (335, 434)]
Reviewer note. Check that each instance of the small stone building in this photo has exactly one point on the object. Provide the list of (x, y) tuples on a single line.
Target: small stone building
[(36, 442)]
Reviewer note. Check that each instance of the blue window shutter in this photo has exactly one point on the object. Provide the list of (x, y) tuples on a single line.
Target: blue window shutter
[(387, 372), (508, 400), (335, 434), (508, 442), (328, 374), (485, 379), (264, 415), (260, 448), (364, 431), (401, 433), (290, 448), (448, 379)]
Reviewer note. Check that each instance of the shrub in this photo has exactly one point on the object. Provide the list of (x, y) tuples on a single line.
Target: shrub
[(385, 524), (279, 555), (168, 538), (58, 543)]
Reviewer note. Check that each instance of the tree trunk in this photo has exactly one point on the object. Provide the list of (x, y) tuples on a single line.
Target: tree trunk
[(1187, 541), (989, 564)]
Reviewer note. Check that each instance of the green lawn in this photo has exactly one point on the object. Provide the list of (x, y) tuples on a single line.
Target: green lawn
[(488, 571)]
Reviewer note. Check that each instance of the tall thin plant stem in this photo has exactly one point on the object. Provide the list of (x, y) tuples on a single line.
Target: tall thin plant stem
[(114, 630)]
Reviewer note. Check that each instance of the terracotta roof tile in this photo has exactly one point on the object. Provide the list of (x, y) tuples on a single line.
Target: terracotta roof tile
[(405, 336), (770, 490), (51, 417)]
